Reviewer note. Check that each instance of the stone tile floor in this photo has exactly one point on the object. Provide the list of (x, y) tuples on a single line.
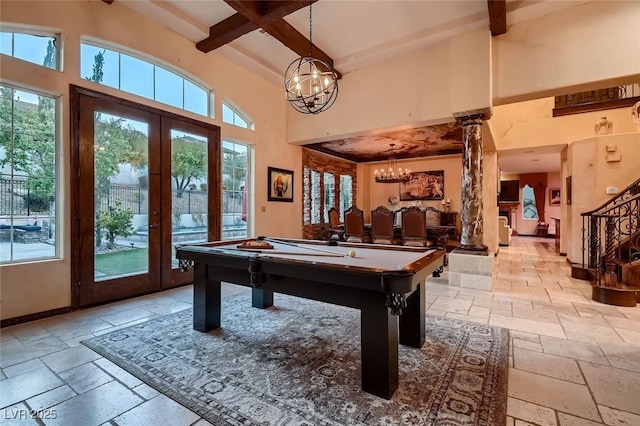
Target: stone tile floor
[(572, 361)]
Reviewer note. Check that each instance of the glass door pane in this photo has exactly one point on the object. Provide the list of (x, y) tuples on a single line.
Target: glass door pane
[(234, 189), (121, 196), (189, 189)]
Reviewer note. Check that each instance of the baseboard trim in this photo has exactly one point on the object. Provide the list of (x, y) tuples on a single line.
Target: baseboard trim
[(36, 316)]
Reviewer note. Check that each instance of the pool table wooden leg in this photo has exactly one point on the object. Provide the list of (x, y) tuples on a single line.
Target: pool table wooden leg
[(206, 300), (412, 320), (379, 351), (261, 298)]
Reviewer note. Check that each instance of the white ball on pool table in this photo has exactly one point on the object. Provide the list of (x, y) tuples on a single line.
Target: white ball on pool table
[(352, 253)]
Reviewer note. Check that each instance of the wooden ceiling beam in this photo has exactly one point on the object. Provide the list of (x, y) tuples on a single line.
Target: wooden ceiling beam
[(280, 30), (226, 31), (238, 25), (497, 16)]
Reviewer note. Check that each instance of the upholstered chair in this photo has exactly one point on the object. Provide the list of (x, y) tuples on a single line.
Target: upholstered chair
[(414, 229), (354, 231), (435, 233), (334, 223), (382, 226)]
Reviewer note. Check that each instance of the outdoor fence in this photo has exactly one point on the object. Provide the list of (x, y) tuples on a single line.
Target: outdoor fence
[(14, 195)]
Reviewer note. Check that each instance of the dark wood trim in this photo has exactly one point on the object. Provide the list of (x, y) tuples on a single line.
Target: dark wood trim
[(497, 16), (596, 106), (83, 103), (32, 317), (238, 25), (280, 30)]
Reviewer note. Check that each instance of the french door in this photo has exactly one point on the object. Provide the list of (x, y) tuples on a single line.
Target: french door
[(147, 180)]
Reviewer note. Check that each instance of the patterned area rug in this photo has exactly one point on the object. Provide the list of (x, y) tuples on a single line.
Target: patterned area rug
[(299, 364)]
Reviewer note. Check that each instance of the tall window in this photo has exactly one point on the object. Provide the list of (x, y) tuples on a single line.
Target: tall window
[(529, 208), (346, 194), (143, 78), (231, 115), (329, 194), (235, 190), (39, 49), (27, 175), (328, 182)]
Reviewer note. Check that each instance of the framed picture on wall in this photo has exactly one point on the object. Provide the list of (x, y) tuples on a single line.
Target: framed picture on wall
[(280, 184), (423, 186), (554, 196), (568, 189)]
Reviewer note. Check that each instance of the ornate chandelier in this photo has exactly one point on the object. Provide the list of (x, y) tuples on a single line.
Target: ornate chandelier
[(311, 84), (393, 173)]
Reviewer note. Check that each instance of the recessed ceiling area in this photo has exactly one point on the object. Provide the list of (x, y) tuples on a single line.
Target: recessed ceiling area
[(425, 141), (542, 159)]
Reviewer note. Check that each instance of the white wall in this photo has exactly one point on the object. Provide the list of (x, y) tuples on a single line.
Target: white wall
[(588, 46), (41, 286)]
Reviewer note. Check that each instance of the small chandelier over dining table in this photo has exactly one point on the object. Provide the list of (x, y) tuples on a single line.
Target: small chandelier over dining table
[(393, 173), (311, 84)]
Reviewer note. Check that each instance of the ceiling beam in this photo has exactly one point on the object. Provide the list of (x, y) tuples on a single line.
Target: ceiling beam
[(497, 16), (268, 16), (279, 29), (238, 25)]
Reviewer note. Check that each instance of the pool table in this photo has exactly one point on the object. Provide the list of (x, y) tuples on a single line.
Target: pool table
[(387, 284)]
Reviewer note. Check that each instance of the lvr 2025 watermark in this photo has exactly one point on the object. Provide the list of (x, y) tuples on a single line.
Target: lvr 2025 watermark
[(23, 414)]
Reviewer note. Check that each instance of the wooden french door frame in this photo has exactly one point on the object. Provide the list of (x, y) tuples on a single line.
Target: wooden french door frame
[(173, 276), (83, 103)]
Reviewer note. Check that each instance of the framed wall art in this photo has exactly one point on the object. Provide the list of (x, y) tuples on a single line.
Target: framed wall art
[(554, 196), (280, 183), (423, 186)]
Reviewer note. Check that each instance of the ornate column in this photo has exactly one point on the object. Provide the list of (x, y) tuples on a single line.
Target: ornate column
[(471, 238)]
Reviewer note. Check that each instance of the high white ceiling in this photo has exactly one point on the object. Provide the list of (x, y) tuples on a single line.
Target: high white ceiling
[(356, 33)]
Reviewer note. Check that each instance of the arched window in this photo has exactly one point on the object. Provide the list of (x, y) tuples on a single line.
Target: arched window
[(232, 115), (134, 74), (529, 207), (39, 48)]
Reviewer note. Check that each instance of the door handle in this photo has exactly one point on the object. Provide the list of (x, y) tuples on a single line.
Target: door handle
[(154, 225)]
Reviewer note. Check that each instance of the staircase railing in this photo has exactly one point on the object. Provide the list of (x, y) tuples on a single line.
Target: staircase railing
[(611, 237)]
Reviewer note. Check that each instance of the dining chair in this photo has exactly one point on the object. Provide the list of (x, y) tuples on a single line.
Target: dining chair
[(436, 233), (335, 228), (382, 226), (414, 229), (354, 231)]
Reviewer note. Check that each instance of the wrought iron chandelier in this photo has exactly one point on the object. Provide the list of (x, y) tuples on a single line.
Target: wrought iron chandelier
[(393, 173), (311, 84)]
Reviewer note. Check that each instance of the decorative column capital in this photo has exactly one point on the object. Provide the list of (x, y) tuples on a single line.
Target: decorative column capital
[(472, 116)]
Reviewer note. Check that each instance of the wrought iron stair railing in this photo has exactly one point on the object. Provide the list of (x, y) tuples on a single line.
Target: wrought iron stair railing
[(611, 240)]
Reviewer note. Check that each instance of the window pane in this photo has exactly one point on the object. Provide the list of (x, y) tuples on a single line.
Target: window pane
[(315, 197), (227, 114), (5, 43), (169, 88), (196, 99), (28, 180), (136, 76), (346, 194), (235, 168), (329, 194), (529, 209), (240, 122), (39, 50)]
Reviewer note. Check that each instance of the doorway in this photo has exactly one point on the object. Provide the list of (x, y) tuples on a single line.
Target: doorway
[(147, 180)]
